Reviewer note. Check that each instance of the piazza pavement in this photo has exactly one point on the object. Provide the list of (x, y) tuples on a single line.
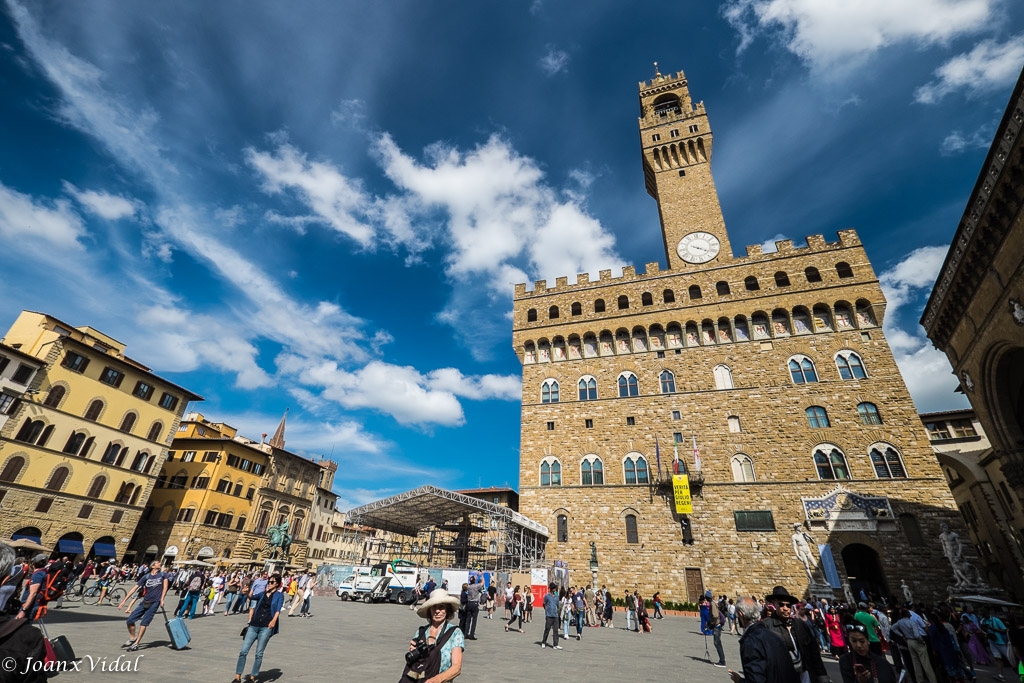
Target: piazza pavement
[(346, 641)]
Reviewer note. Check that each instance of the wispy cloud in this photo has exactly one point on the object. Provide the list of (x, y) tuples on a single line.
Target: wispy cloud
[(24, 220), (989, 66), (957, 142), (554, 61), (108, 206), (835, 35)]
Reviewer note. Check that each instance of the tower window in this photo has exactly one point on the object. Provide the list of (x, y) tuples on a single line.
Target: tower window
[(830, 463), (599, 306), (722, 287), (628, 385), (682, 173), (623, 302), (646, 299), (549, 391), (668, 296), (844, 270), (674, 133), (781, 279), (588, 388), (577, 308), (531, 315), (656, 137), (694, 292), (589, 424), (668, 382), (887, 465), (812, 274), (592, 471), (817, 417), (802, 370), (631, 532), (850, 366), (551, 426), (630, 421), (694, 128), (550, 472), (750, 282), (869, 414), (635, 469), (666, 104)]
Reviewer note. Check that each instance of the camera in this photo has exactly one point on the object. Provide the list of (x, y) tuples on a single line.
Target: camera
[(421, 650)]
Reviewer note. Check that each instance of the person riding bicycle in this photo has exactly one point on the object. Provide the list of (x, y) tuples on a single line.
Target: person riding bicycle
[(106, 580)]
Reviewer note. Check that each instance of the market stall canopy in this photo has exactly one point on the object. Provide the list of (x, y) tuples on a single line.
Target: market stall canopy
[(194, 563), (27, 544)]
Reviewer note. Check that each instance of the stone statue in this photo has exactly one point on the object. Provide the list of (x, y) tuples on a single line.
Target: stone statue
[(279, 539), (907, 595), (848, 593), (593, 553), (953, 549), (802, 548)]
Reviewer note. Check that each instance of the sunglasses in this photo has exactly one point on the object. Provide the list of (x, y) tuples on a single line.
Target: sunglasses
[(856, 627)]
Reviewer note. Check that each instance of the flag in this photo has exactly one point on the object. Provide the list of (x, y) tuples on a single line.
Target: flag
[(657, 454), (696, 454), (675, 461)]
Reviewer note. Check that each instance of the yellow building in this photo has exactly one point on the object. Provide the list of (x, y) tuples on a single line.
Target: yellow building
[(81, 450), (219, 492)]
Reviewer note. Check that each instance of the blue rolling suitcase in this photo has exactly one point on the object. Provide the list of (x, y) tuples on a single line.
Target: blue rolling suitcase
[(177, 631)]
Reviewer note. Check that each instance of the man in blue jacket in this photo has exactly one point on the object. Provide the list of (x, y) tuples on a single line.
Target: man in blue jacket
[(551, 617)]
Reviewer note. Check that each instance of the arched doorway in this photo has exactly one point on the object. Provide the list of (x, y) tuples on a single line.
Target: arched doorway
[(70, 545), (104, 549), (29, 533), (150, 554), (864, 570)]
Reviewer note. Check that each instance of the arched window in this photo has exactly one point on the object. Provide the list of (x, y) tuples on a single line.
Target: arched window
[(31, 431), (850, 365), (887, 462), (831, 463), (553, 312), (96, 489), (94, 410), (812, 274), (563, 529), (734, 423), (74, 444), (155, 431), (694, 292), (550, 472), (53, 398), (592, 471), (668, 382), (646, 299), (623, 302), (110, 455), (844, 270), (781, 279), (750, 282), (722, 287), (127, 423), (723, 377), (549, 391), (801, 368), (742, 468), (576, 308), (599, 306), (628, 385), (531, 315), (250, 493), (635, 469), (588, 388), (632, 536), (869, 414), (668, 296), (57, 479), (12, 469), (139, 463), (817, 417)]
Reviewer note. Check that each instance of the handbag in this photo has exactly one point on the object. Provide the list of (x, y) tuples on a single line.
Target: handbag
[(245, 629)]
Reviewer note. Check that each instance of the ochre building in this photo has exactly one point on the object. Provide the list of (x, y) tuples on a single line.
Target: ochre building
[(82, 447), (774, 365)]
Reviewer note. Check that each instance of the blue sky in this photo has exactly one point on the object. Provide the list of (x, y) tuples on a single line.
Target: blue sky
[(324, 206)]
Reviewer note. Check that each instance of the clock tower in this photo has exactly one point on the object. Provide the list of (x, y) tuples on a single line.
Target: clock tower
[(676, 141)]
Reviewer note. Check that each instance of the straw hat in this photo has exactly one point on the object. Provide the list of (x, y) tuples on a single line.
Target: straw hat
[(439, 596)]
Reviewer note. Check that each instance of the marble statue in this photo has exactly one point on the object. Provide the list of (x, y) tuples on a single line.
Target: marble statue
[(953, 549), (802, 548), (907, 595)]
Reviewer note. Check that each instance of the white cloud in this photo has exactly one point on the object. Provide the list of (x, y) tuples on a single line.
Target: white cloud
[(333, 197), (957, 142), (925, 369), (507, 387), (554, 61), (24, 220), (989, 66), (108, 206), (830, 35), (768, 246), (349, 114)]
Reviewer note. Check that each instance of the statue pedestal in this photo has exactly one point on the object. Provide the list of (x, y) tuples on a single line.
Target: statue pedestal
[(822, 590)]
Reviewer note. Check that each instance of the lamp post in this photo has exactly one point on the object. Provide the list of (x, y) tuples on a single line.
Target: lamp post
[(593, 564)]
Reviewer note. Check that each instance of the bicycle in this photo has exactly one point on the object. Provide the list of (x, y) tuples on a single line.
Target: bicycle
[(91, 595)]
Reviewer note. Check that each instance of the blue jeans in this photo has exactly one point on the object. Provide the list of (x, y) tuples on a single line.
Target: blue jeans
[(579, 622), (191, 601), (228, 599), (259, 635), (305, 606)]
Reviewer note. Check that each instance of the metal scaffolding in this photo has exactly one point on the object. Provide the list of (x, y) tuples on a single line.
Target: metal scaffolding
[(456, 530)]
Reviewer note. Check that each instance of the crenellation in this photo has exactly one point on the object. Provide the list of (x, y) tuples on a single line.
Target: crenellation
[(540, 286), (583, 279), (628, 272), (784, 246), (816, 242), (604, 274), (754, 250), (561, 282), (652, 268)]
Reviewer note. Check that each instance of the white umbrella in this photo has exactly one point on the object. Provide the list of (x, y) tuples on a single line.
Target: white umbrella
[(985, 600), (194, 563)]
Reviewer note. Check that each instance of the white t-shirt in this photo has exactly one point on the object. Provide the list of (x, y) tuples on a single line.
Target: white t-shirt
[(218, 583)]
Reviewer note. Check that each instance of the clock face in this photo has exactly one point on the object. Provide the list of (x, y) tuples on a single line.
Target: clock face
[(698, 247)]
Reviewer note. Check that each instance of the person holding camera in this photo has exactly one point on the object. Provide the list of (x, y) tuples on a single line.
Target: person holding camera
[(435, 652)]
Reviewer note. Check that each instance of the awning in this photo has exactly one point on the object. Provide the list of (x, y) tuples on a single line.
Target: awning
[(104, 549), (68, 545), (37, 539)]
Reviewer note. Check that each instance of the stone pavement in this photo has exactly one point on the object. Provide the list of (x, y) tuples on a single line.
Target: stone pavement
[(355, 642)]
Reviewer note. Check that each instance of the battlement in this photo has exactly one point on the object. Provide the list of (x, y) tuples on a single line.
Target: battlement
[(754, 254), (661, 82)]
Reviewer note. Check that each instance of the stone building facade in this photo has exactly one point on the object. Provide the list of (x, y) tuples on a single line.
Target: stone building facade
[(975, 314), (992, 511), (81, 451), (771, 367)]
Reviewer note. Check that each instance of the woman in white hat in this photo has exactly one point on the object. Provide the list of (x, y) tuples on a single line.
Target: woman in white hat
[(442, 656)]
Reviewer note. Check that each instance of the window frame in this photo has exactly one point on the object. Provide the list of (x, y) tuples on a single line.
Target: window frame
[(801, 362), (817, 417), (630, 467), (828, 450), (741, 463), (628, 384), (886, 461), (592, 465), (667, 382), (554, 468), (851, 361), (591, 388), (549, 391), (867, 417), (632, 529)]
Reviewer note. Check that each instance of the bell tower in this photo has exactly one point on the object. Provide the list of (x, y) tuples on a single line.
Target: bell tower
[(675, 138)]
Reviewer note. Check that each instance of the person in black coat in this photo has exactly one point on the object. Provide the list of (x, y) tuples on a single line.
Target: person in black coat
[(807, 653), (861, 665), (18, 640), (764, 656)]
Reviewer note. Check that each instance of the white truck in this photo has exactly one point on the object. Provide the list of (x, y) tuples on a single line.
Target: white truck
[(400, 588)]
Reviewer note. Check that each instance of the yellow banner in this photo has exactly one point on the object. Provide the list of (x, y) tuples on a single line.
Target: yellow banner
[(681, 492)]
